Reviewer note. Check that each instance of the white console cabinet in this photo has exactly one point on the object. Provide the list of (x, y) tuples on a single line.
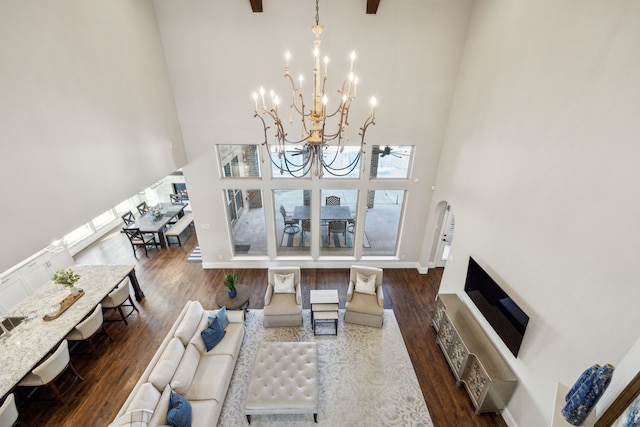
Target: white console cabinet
[(39, 270), (471, 355), (12, 291), (27, 277)]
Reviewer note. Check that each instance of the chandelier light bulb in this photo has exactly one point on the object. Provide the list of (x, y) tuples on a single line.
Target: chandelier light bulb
[(261, 90), (326, 62), (287, 56), (325, 99), (353, 58), (316, 52)]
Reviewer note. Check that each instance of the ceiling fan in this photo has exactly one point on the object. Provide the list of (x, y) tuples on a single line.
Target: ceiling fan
[(393, 151)]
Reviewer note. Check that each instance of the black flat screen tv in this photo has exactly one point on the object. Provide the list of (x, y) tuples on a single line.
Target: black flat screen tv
[(502, 313)]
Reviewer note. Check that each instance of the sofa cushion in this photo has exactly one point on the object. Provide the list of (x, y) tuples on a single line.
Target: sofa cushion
[(189, 322), (179, 414), (211, 379), (222, 317), (204, 411), (232, 341), (159, 417), (146, 397), (282, 304), (283, 283), (366, 284), (365, 303), (132, 419), (183, 377), (196, 339), (213, 334), (167, 364)]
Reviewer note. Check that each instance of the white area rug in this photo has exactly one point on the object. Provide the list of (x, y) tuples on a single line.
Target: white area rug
[(366, 376)]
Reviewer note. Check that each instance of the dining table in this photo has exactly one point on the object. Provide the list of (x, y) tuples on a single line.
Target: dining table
[(327, 213), (148, 223), (30, 341)]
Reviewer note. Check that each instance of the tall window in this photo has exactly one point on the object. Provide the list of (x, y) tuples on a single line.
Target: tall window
[(239, 161), (246, 217), (293, 222), (337, 221), (339, 214), (390, 161), (382, 221)]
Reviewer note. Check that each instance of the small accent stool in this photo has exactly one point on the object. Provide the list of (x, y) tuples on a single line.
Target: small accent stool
[(284, 380)]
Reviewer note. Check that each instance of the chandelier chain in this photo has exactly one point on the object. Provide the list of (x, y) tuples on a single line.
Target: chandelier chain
[(317, 12)]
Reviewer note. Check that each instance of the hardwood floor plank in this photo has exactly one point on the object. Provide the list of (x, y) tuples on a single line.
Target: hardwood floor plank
[(169, 282)]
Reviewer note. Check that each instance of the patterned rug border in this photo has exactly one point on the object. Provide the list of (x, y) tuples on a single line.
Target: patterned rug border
[(366, 376)]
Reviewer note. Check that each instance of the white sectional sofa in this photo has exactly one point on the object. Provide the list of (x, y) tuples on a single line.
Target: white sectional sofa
[(183, 365)]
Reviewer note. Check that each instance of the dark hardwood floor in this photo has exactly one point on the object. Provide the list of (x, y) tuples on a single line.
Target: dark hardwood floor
[(169, 282)]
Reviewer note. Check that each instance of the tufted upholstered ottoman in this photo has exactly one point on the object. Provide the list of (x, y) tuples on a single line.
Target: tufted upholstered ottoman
[(284, 380)]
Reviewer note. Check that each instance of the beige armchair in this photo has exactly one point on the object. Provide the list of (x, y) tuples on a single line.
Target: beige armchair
[(283, 308), (364, 308)]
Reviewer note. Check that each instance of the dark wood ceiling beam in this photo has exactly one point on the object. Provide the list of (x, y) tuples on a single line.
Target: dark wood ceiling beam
[(256, 5), (372, 6)]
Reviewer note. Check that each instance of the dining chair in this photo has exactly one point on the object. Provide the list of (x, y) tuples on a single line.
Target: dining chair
[(88, 328), (8, 411), (139, 239), (306, 228), (117, 299), (48, 371), (337, 227), (332, 201), (128, 218), (290, 225), (143, 208)]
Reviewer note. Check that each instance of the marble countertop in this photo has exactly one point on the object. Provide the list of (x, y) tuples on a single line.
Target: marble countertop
[(31, 340)]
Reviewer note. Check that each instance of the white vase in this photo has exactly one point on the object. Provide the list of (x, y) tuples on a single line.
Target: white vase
[(74, 291)]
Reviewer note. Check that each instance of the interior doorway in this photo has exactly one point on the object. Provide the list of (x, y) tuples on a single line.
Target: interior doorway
[(446, 228)]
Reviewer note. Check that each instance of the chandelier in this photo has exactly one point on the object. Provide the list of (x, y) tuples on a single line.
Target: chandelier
[(320, 125)]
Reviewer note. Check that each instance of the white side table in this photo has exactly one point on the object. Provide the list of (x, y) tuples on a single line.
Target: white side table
[(324, 308)]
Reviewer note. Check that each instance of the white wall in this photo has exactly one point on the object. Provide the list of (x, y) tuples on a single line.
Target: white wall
[(219, 53), (540, 164), (86, 112)]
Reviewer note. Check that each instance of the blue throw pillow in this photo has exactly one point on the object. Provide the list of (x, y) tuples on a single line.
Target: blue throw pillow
[(222, 317), (179, 414), (213, 334)]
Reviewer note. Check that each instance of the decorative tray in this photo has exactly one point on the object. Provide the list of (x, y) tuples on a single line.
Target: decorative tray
[(64, 305)]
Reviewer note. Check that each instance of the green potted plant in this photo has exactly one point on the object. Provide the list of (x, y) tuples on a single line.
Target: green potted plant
[(230, 281), (68, 279)]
